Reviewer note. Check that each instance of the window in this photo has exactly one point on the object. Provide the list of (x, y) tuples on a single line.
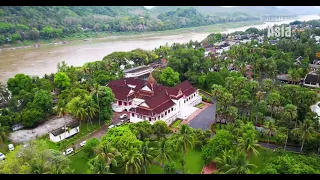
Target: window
[(165, 113), (184, 101), (130, 103), (158, 117), (125, 103), (161, 115), (119, 103), (149, 119), (132, 114), (171, 109)]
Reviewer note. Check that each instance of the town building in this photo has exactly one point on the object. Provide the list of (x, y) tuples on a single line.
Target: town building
[(311, 80), (141, 72), (64, 132), (150, 101)]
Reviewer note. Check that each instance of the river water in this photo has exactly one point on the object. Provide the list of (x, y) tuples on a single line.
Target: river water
[(43, 60)]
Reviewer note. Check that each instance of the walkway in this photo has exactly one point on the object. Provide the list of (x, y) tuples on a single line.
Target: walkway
[(208, 169)]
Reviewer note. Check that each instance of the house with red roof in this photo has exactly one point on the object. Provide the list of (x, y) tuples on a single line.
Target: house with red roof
[(150, 101)]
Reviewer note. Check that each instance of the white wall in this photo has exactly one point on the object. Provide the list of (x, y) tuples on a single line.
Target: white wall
[(64, 135)]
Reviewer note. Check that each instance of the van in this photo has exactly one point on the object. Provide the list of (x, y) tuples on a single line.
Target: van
[(11, 147)]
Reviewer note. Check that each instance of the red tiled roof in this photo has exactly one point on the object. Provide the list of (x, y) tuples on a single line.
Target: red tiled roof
[(189, 91), (155, 111), (184, 85)]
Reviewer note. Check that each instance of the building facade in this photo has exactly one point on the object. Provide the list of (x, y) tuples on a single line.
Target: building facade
[(150, 101), (64, 132)]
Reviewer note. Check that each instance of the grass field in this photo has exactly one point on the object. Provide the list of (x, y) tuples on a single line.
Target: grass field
[(193, 164), (176, 123), (79, 163), (200, 105)]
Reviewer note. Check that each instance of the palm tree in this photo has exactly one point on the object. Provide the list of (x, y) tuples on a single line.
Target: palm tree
[(270, 128), (248, 143), (305, 131), (147, 155), (107, 152), (290, 111), (259, 96), (224, 162), (91, 113), (233, 163), (3, 134), (96, 91), (183, 140), (98, 165), (133, 161), (163, 152)]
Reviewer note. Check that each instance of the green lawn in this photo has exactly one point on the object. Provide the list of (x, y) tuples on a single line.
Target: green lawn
[(176, 123), (79, 163), (264, 156), (200, 105), (154, 169), (193, 164)]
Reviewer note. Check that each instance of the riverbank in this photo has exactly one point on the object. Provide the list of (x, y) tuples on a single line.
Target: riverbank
[(132, 35)]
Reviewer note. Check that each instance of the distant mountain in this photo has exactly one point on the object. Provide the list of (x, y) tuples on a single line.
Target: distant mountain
[(225, 11), (301, 10)]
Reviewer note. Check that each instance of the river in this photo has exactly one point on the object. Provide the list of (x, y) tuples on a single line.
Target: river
[(43, 60)]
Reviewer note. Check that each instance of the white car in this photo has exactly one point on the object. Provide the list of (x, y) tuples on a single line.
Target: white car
[(11, 147), (68, 151), (2, 156), (111, 126), (123, 116), (83, 143)]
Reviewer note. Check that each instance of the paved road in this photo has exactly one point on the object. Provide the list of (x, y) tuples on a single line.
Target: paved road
[(204, 118), (102, 131), (273, 146)]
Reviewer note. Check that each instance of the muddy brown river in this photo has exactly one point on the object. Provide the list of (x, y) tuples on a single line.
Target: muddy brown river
[(43, 60)]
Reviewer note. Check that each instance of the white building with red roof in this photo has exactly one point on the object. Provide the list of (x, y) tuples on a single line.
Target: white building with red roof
[(150, 101)]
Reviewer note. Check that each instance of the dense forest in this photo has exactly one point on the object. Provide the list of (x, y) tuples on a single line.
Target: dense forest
[(20, 23)]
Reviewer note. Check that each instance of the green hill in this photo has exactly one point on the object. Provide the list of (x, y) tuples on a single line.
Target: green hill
[(20, 23)]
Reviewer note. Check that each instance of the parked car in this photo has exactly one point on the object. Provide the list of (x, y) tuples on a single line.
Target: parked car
[(119, 123), (111, 126), (123, 116), (2, 156), (68, 151), (11, 147), (83, 143)]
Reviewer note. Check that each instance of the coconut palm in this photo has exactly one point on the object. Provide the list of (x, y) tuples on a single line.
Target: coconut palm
[(269, 129), (259, 96), (290, 111), (233, 163), (133, 161), (147, 153), (107, 152), (97, 91), (248, 143), (305, 131), (98, 165), (184, 140), (224, 162), (163, 152), (3, 134)]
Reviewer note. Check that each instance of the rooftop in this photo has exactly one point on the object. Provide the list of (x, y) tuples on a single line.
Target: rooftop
[(137, 69), (61, 130)]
